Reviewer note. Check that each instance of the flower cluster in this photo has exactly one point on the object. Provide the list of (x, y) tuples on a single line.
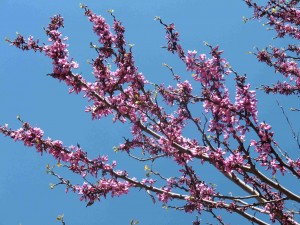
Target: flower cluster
[(284, 18)]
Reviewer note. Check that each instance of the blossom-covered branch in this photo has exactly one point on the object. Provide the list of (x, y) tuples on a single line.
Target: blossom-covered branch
[(230, 137)]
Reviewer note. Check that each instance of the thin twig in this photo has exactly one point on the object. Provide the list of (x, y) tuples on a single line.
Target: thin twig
[(295, 136)]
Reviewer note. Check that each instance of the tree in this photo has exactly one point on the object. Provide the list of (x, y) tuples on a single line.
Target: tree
[(230, 136)]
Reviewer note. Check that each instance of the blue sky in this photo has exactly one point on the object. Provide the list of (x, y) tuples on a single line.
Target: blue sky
[(25, 196)]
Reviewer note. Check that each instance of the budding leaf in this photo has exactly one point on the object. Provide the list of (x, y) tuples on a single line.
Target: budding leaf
[(134, 222), (60, 217), (51, 186), (116, 149), (146, 168), (164, 206), (245, 19), (274, 9)]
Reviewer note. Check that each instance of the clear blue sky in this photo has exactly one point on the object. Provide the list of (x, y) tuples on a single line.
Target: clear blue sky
[(25, 196)]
